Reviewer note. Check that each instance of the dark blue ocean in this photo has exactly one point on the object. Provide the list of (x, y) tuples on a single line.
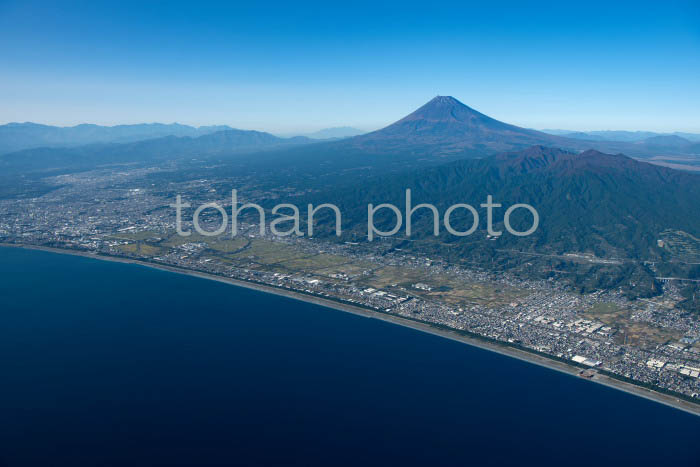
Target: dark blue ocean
[(105, 364)]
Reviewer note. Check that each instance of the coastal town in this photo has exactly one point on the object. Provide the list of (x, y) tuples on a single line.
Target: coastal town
[(119, 214), (327, 234)]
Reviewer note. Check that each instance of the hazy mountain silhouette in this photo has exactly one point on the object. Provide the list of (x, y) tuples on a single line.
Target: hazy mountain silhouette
[(606, 135), (666, 142), (228, 142), (621, 136), (18, 136), (335, 132), (442, 129)]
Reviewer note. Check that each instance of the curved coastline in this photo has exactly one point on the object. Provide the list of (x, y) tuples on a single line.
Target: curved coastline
[(482, 343)]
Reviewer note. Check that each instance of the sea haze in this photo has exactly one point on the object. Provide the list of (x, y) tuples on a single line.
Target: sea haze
[(116, 364)]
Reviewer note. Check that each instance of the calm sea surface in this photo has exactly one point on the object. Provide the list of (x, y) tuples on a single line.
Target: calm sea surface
[(107, 364)]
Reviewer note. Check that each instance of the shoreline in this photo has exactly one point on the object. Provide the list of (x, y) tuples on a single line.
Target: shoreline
[(455, 335)]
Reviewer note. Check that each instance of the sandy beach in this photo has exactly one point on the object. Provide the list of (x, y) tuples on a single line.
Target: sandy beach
[(501, 348)]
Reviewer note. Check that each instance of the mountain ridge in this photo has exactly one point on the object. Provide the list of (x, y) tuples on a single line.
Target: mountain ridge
[(608, 207), (443, 129), (156, 150), (16, 136)]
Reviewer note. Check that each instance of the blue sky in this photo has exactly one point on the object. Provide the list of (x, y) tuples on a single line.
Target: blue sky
[(292, 67)]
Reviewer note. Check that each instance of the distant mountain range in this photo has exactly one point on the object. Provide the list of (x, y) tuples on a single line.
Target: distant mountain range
[(620, 136), (445, 129), (442, 129), (17, 136), (28, 135), (335, 132), (228, 142)]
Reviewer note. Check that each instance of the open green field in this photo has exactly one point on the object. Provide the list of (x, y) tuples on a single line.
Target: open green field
[(261, 254), (266, 252), (634, 332), (142, 249), (606, 312), (448, 288)]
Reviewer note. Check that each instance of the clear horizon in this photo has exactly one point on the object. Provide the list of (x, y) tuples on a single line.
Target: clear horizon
[(297, 69)]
